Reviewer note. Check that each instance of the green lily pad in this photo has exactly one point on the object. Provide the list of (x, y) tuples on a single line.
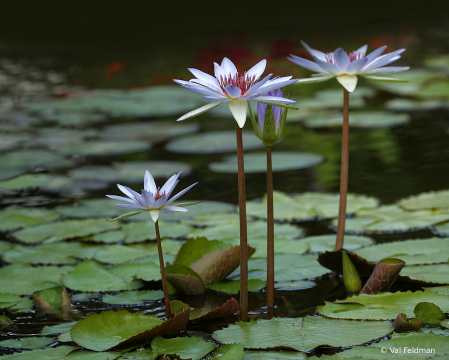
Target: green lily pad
[(436, 89), (119, 254), (9, 300), (413, 252), (255, 229), (56, 253), (429, 313), (133, 297), (414, 105), (294, 285), (213, 142), (24, 279), (434, 274), (274, 355), (105, 148), (11, 219), (154, 131), (12, 141), (228, 352), (442, 290), (233, 286), (92, 276), (392, 218), (58, 329), (322, 243), (333, 98), (281, 246), (441, 229), (130, 172), (27, 159), (27, 343), (257, 162), (55, 137), (50, 353), (207, 208), (301, 334), (25, 181), (4, 320), (381, 306), (92, 208), (426, 201), (4, 246), (67, 229), (186, 348), (89, 355), (194, 249), (136, 232), (437, 61), (74, 118), (365, 119), (110, 329), (146, 272), (55, 297)]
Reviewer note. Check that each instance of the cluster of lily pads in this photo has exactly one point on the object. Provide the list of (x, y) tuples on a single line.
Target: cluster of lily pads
[(56, 258)]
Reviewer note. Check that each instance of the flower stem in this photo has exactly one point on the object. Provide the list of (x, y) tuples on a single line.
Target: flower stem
[(344, 172), (270, 232), (243, 230), (164, 280)]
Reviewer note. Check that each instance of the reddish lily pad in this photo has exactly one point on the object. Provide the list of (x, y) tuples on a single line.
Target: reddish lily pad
[(383, 276), (184, 279), (402, 324), (207, 313)]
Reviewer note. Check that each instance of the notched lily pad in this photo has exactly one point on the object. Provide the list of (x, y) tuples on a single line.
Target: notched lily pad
[(229, 308), (133, 297), (26, 181), (27, 343), (184, 279), (185, 348), (11, 219), (402, 324), (233, 286), (105, 148), (55, 297), (429, 313), (428, 200)]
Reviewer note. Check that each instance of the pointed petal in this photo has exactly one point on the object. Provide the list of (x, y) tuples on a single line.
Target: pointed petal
[(385, 70), (125, 215), (381, 78), (149, 198), (120, 198), (159, 202), (341, 60), (239, 109), (228, 66), (305, 63), (182, 82), (148, 183), (362, 50), (219, 71), (256, 86), (129, 192), (154, 214), (328, 67), (175, 208), (355, 66), (204, 77), (277, 104), (214, 87), (275, 100), (257, 70), (276, 84), (180, 194), (315, 53), (376, 53), (349, 82), (233, 91), (190, 203), (132, 206), (170, 182), (248, 97), (319, 78), (384, 59), (168, 193), (201, 89), (200, 110)]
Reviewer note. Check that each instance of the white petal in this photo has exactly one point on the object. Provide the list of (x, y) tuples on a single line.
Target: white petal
[(233, 91), (275, 100), (148, 183), (362, 50), (355, 66), (305, 63), (221, 99), (154, 214), (168, 193), (200, 110), (204, 77), (148, 197), (381, 78), (248, 97), (258, 69), (315, 79), (256, 86), (214, 87), (276, 84), (349, 82), (170, 182), (384, 59), (228, 66), (341, 60), (175, 208), (125, 200), (159, 202), (328, 67), (315, 53), (219, 71), (385, 70), (376, 53), (239, 108), (129, 192), (180, 194), (201, 89)]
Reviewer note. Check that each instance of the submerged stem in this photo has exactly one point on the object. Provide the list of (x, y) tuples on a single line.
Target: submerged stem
[(243, 230), (164, 280), (270, 232), (344, 172)]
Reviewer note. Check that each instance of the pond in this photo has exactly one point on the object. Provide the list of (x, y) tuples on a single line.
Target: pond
[(69, 133)]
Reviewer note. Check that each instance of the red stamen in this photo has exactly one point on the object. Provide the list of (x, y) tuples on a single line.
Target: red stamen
[(243, 82), (158, 195), (355, 56)]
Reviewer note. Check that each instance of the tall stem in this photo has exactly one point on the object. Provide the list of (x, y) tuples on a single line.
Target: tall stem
[(270, 232), (161, 264), (344, 172), (243, 232)]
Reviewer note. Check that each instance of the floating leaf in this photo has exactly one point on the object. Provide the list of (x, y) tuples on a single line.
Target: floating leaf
[(146, 272), (9, 300), (109, 330), (257, 162), (50, 353), (433, 274), (281, 246), (138, 232), (194, 249), (294, 285), (186, 348), (414, 105), (435, 89), (27, 159), (92, 276), (383, 276), (301, 334), (133, 297), (58, 329), (233, 286), (228, 352), (11, 219), (427, 200), (429, 313), (208, 313), (184, 279), (89, 355), (402, 324), (55, 297), (27, 343), (275, 355), (213, 142), (322, 243), (119, 254), (380, 306), (105, 148), (67, 229), (25, 181), (362, 119)]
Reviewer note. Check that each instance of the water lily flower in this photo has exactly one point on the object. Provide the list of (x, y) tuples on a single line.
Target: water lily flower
[(346, 67), (235, 88), (270, 120), (152, 199)]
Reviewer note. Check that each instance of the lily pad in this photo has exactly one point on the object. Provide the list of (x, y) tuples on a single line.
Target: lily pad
[(294, 285), (67, 229), (282, 161), (365, 119), (433, 274), (154, 131), (186, 348), (55, 137), (110, 329), (428, 200), (92, 276), (322, 243), (429, 313), (436, 89), (105, 148), (133, 297), (58, 329), (205, 208), (119, 254), (274, 355), (91, 208), (402, 324), (49, 353), (383, 276), (89, 355), (25, 181), (414, 105), (438, 61), (213, 142), (11, 219), (27, 343), (136, 232), (146, 272), (233, 286), (130, 172), (413, 252), (184, 279), (9, 300), (381, 306), (27, 159), (301, 334), (228, 352), (281, 246), (54, 297)]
